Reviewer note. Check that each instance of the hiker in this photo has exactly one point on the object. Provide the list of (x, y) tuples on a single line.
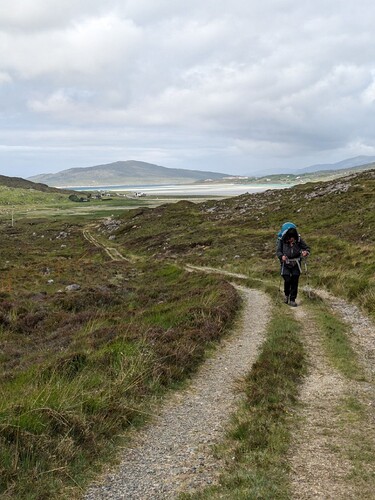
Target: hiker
[(290, 249)]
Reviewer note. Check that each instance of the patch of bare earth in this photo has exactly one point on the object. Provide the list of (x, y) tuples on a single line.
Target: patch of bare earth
[(320, 457), (174, 453)]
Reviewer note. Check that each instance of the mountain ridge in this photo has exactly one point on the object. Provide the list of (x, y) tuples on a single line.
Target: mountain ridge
[(134, 172), (130, 172), (356, 161)]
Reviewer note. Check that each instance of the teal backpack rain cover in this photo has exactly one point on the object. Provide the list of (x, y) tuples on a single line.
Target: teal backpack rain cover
[(284, 229)]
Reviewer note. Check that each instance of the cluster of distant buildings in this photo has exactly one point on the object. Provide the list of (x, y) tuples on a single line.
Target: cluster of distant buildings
[(106, 194)]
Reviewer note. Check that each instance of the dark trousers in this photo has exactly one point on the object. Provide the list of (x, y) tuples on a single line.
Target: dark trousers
[(291, 285)]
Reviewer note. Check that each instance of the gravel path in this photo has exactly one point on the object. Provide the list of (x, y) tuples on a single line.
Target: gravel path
[(174, 453)]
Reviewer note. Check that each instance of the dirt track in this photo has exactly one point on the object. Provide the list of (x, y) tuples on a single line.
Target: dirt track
[(113, 253)]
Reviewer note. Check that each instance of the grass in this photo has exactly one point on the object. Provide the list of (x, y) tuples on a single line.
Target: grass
[(61, 417), (10, 196), (258, 439)]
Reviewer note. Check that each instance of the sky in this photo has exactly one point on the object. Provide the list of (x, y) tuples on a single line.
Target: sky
[(239, 87)]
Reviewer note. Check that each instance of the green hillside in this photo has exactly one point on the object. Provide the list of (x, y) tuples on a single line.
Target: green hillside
[(19, 183), (18, 192), (16, 196)]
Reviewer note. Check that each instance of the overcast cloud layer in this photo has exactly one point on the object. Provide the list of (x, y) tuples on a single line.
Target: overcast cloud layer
[(232, 86)]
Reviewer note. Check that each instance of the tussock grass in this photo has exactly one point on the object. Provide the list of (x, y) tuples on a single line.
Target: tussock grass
[(258, 439), (55, 421)]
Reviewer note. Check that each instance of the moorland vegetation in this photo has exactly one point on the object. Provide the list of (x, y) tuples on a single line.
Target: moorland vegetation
[(88, 343)]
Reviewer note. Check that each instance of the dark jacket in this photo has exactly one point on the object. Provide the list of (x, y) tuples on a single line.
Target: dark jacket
[(291, 252)]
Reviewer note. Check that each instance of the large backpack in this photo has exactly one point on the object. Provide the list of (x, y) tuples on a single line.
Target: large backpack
[(284, 228)]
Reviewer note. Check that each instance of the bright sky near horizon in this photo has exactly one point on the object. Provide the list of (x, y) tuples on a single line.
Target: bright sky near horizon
[(230, 86)]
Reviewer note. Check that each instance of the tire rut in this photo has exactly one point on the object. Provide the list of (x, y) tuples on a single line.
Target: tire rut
[(113, 253)]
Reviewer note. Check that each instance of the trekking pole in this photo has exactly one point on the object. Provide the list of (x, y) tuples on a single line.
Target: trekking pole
[(308, 288), (281, 275)]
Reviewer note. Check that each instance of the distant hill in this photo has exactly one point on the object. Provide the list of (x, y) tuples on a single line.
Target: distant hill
[(348, 163), (300, 178), (124, 173), (314, 176), (18, 182), (344, 164)]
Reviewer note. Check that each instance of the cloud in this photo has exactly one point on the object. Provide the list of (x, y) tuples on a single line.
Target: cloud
[(368, 94), (5, 78), (269, 81), (37, 15), (83, 50)]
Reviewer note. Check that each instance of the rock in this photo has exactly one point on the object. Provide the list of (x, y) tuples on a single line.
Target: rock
[(72, 288), (62, 235), (338, 187), (111, 224)]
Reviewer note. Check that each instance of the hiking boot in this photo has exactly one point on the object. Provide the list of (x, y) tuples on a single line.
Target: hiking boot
[(286, 299), (293, 303)]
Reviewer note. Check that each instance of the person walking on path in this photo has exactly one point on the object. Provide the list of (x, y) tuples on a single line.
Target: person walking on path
[(290, 249)]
